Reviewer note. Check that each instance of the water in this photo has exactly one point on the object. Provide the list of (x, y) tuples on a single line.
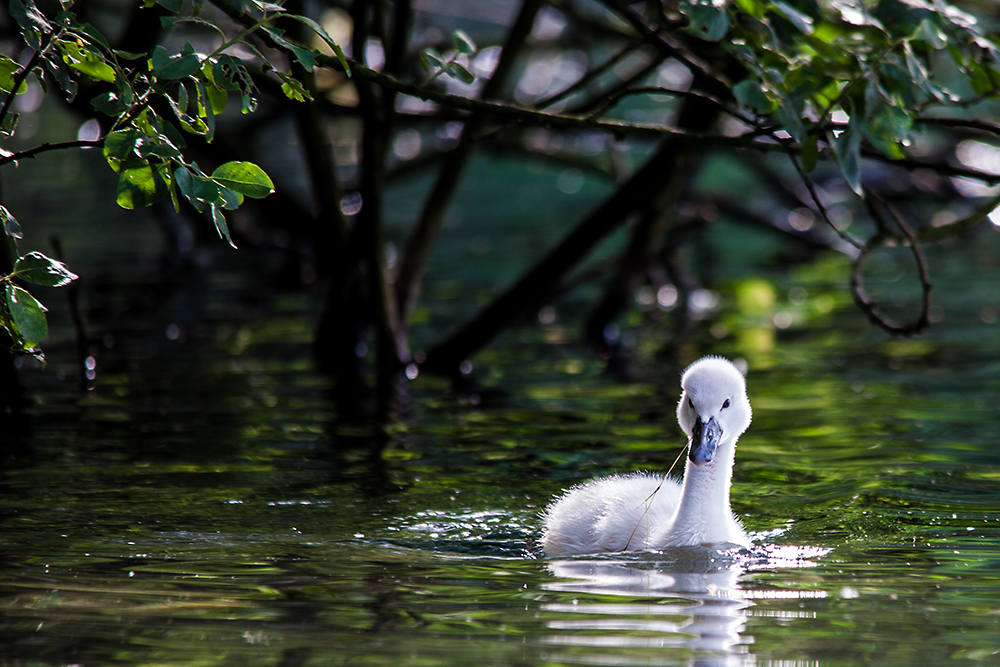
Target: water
[(203, 503)]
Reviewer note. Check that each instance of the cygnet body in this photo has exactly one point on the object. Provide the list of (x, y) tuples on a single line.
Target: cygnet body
[(627, 512)]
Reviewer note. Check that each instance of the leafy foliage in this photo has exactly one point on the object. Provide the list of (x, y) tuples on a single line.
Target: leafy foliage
[(20, 313), (830, 83), (145, 148), (849, 78), (436, 64), (848, 74)]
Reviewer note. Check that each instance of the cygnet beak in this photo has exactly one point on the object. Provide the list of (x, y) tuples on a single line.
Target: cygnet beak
[(705, 438)]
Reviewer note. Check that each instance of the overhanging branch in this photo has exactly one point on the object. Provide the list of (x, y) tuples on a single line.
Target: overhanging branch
[(7, 158)]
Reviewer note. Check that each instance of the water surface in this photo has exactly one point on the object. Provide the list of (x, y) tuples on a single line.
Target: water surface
[(202, 503)]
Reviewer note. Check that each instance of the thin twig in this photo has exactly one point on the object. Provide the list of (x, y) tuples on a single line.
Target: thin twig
[(612, 100), (861, 298), (959, 226), (48, 146), (18, 80), (419, 245), (659, 39), (591, 75), (530, 116), (965, 123), (655, 491), (811, 187)]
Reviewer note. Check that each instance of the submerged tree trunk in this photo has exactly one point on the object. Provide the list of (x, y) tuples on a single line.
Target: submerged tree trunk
[(361, 294), (644, 245), (536, 285), (421, 241)]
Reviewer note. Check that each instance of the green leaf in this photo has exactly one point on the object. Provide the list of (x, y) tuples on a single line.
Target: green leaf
[(141, 184), (108, 104), (189, 123), (29, 17), (707, 20), (856, 12), (981, 79), (10, 224), (28, 316), (803, 22), (931, 34), (915, 67), (216, 95), (120, 146), (305, 56), (318, 29), (267, 6), (810, 152), (174, 198), (205, 109), (79, 57), (41, 270), (847, 149), (61, 73), (886, 128), (9, 124), (229, 199), (229, 73), (463, 43), (750, 94), (186, 184), (457, 71), (958, 18), (431, 60), (164, 151), (128, 55), (754, 8), (93, 33), (198, 189), (8, 71), (159, 130), (293, 89), (178, 66), (245, 178), (158, 146), (790, 116), (220, 225)]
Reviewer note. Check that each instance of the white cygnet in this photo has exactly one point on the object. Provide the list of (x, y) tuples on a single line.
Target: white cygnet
[(627, 512)]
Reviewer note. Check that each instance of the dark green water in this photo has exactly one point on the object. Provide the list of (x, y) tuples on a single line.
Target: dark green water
[(202, 504)]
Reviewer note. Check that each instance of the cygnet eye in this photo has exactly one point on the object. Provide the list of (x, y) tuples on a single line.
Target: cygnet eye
[(726, 404), (691, 403)]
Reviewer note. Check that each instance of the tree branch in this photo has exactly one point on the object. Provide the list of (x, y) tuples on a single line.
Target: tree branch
[(965, 123), (590, 75), (7, 158), (820, 206), (700, 70), (421, 241), (861, 298), (534, 117), (959, 226), (18, 80), (537, 284)]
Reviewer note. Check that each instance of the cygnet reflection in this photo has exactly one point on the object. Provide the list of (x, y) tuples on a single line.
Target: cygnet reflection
[(693, 603)]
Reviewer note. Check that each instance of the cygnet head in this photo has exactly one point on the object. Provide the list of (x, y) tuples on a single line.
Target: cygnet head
[(714, 408)]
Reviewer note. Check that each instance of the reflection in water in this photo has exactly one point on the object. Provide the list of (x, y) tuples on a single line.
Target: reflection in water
[(692, 602)]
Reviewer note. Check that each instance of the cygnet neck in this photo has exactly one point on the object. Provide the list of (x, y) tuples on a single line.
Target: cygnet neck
[(704, 506)]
